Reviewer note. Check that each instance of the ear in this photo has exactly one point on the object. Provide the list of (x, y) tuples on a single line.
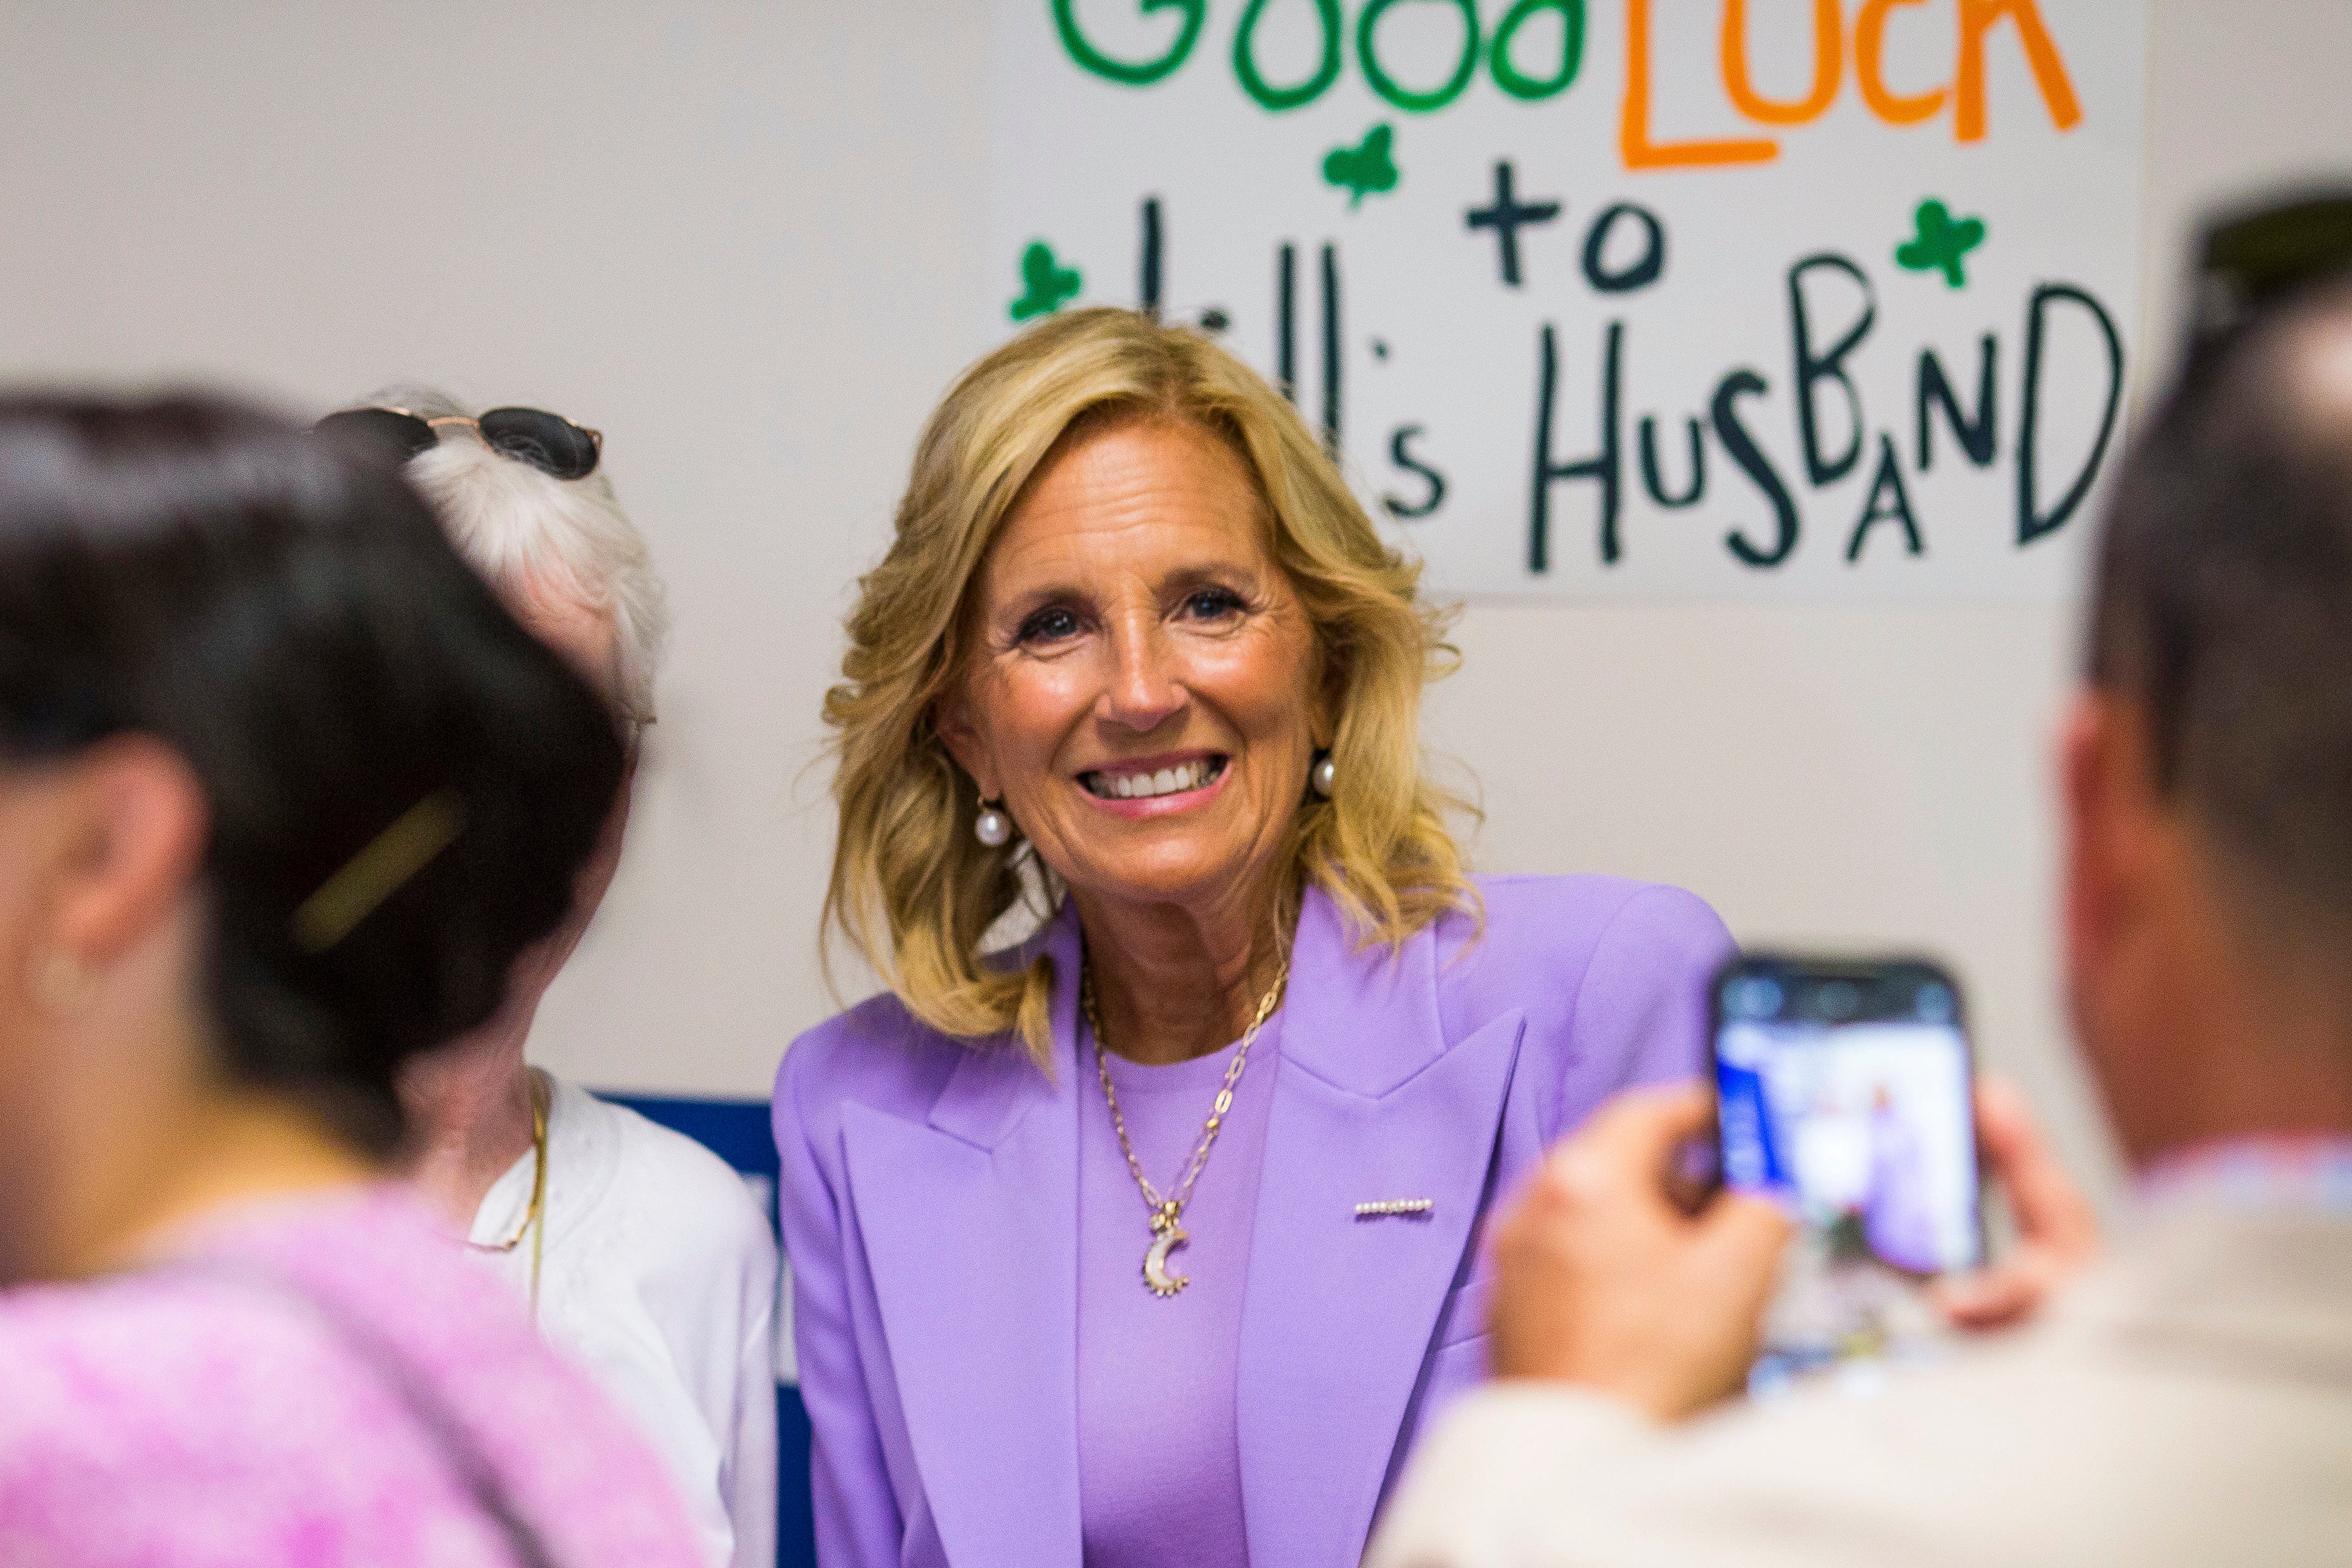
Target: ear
[(136, 826), (951, 717), (2116, 826)]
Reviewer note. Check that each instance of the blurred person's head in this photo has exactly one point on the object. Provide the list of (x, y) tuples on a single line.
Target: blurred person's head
[(561, 551), (2209, 766), (284, 793), (574, 569)]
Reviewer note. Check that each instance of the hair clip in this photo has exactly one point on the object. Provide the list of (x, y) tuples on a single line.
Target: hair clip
[(378, 871)]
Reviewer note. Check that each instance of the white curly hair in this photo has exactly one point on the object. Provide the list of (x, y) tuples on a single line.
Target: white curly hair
[(528, 532)]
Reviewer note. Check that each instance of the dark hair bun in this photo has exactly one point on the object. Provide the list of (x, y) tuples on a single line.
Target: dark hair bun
[(287, 614)]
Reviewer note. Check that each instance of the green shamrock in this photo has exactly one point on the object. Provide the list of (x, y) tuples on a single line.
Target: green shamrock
[(1049, 284), (1942, 242), (1363, 168)]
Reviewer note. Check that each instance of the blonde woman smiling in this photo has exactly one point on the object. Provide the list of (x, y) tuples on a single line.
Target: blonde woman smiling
[(1149, 1238)]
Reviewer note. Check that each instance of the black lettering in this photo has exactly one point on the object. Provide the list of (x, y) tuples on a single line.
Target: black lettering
[(1645, 268), (1331, 366), (1148, 285), (1656, 485), (1602, 466), (1758, 467), (1887, 482), (1813, 369), (1975, 436), (1505, 217), (1285, 322), (2031, 522), (1404, 458)]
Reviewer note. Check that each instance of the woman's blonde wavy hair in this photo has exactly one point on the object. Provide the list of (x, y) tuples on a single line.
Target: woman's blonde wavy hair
[(912, 888)]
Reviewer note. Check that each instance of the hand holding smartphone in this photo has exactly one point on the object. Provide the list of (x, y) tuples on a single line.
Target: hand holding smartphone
[(1845, 1095)]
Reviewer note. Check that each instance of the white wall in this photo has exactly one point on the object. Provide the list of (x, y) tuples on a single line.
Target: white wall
[(740, 239)]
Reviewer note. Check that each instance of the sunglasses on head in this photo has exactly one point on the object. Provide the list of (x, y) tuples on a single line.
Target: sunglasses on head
[(2257, 260), (548, 442)]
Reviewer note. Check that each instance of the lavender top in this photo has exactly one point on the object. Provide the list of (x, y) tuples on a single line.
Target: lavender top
[(231, 1407), (932, 1214), (1160, 1474)]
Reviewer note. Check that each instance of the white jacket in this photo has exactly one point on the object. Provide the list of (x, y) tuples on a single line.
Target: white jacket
[(2190, 1403), (659, 1277)]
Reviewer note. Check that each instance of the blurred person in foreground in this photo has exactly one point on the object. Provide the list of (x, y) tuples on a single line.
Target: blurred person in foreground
[(284, 793), (639, 1250), (2189, 1402)]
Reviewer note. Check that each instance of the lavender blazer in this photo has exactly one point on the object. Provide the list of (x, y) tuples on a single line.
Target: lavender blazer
[(929, 1204)]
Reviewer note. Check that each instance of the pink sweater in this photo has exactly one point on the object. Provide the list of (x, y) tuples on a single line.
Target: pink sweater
[(311, 1383)]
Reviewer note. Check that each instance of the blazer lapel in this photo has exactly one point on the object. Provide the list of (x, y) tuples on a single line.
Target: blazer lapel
[(971, 1226), (1341, 1312)]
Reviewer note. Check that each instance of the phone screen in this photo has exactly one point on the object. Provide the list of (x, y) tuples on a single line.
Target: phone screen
[(1844, 1095)]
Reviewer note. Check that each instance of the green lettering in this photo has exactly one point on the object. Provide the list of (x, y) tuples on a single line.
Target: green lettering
[(1276, 99), (1517, 83), (1131, 73), (1404, 98)]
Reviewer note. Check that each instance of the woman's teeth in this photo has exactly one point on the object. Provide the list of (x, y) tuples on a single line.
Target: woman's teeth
[(1145, 786)]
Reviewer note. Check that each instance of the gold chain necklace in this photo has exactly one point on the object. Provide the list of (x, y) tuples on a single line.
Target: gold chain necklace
[(534, 1217), (1166, 1233)]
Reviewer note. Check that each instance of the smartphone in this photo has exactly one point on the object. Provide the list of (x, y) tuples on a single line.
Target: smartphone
[(1845, 1092)]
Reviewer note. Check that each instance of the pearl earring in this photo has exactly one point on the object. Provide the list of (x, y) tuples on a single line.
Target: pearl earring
[(1322, 775), (993, 827)]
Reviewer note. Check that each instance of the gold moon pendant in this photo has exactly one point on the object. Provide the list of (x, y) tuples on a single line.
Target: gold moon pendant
[(1165, 1240)]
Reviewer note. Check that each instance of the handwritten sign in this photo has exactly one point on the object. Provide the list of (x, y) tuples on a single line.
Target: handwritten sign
[(1725, 299)]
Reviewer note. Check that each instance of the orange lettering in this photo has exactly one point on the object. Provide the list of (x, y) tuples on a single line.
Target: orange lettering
[(1634, 125), (1977, 17), (1870, 66), (1828, 66)]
